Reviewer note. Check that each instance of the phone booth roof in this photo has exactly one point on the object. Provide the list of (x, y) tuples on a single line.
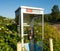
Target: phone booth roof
[(30, 10)]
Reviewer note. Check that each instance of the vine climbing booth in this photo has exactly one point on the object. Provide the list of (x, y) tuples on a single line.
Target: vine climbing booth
[(26, 19)]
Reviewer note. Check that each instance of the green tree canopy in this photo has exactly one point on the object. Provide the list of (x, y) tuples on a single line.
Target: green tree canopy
[(55, 12)]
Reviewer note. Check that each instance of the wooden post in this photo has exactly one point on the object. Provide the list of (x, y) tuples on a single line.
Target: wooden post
[(51, 44), (19, 47)]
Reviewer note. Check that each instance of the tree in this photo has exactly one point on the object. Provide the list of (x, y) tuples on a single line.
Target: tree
[(48, 18), (58, 18), (55, 12)]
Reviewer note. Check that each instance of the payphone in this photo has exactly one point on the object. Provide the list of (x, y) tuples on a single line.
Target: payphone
[(25, 17)]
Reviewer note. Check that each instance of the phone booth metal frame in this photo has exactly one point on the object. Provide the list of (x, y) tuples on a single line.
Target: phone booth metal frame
[(27, 10)]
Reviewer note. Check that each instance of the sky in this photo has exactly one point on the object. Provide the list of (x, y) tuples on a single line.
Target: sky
[(8, 7)]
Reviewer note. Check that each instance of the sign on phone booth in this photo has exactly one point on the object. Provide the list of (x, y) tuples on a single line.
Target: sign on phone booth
[(24, 16)]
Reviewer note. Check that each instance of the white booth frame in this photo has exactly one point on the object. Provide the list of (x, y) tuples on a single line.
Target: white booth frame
[(37, 11)]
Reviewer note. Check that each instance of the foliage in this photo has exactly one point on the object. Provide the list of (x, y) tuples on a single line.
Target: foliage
[(55, 12), (48, 18), (58, 17), (37, 33), (54, 16), (8, 35), (51, 32), (55, 9)]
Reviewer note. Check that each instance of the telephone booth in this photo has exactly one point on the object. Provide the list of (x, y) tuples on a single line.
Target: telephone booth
[(29, 17)]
